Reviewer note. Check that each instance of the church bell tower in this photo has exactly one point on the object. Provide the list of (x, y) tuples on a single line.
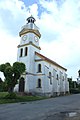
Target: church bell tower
[(29, 44)]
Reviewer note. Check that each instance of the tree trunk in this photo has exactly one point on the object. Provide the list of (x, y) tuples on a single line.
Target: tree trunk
[(10, 90)]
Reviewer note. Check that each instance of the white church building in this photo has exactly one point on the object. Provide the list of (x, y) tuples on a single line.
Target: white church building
[(43, 76)]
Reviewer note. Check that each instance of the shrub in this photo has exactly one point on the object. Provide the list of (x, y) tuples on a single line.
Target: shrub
[(74, 91), (10, 96)]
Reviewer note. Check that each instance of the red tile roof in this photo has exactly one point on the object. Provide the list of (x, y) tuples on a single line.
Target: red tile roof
[(49, 60)]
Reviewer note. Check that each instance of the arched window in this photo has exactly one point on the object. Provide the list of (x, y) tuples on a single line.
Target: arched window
[(28, 21), (21, 52), (50, 78), (57, 77), (26, 49), (39, 83), (39, 67), (33, 21)]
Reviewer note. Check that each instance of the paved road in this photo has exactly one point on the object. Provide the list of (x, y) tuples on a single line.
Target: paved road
[(50, 109)]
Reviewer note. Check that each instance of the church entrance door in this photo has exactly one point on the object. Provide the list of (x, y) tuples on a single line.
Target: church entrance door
[(21, 84)]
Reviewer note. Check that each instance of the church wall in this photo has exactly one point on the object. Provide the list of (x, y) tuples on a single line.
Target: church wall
[(25, 41), (29, 59), (58, 84), (39, 75), (31, 79), (23, 58), (31, 82)]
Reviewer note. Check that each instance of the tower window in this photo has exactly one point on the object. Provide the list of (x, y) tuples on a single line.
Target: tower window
[(39, 83), (26, 49), (21, 52), (28, 21), (33, 21), (39, 67)]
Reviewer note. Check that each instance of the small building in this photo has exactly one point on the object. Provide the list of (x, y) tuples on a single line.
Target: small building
[(43, 76)]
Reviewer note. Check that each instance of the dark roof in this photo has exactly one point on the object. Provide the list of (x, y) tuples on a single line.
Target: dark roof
[(49, 60), (31, 17)]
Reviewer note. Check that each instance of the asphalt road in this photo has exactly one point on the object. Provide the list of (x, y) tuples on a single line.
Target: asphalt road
[(59, 108)]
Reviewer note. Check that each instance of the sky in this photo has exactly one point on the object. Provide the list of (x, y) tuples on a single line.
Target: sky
[(59, 25)]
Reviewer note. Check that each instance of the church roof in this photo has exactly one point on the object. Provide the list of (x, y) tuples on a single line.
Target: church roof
[(30, 18), (49, 60)]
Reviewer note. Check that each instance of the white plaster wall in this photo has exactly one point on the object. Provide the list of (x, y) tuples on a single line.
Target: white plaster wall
[(39, 75), (31, 80), (16, 88), (32, 66), (29, 61), (57, 85), (30, 38), (22, 42)]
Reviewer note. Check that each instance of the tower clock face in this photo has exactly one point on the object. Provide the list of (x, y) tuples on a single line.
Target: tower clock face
[(36, 38), (24, 37)]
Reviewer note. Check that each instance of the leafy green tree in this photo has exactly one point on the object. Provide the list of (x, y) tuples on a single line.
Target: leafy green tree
[(3, 87), (12, 73), (1, 80)]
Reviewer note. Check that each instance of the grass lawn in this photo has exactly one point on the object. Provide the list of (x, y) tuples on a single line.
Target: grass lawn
[(19, 98)]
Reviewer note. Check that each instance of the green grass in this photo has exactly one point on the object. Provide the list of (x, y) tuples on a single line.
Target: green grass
[(3, 94), (18, 98)]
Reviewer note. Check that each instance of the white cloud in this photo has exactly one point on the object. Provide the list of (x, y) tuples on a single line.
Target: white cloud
[(10, 13), (61, 33), (12, 16), (59, 25), (34, 10)]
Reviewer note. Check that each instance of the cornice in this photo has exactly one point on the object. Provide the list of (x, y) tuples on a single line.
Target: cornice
[(30, 43), (37, 60), (24, 31)]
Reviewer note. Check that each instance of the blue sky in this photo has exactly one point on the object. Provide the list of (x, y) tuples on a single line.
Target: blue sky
[(40, 8), (30, 2), (59, 23)]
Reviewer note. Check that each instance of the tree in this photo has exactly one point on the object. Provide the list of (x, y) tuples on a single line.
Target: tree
[(3, 87), (1, 80), (12, 73)]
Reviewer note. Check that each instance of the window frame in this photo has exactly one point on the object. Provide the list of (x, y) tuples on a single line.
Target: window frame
[(39, 83), (26, 51), (21, 52), (50, 77), (39, 68)]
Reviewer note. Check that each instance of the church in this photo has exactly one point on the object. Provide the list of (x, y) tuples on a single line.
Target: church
[(43, 76)]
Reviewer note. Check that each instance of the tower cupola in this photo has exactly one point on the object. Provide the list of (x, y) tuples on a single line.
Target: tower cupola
[(31, 19), (30, 27)]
